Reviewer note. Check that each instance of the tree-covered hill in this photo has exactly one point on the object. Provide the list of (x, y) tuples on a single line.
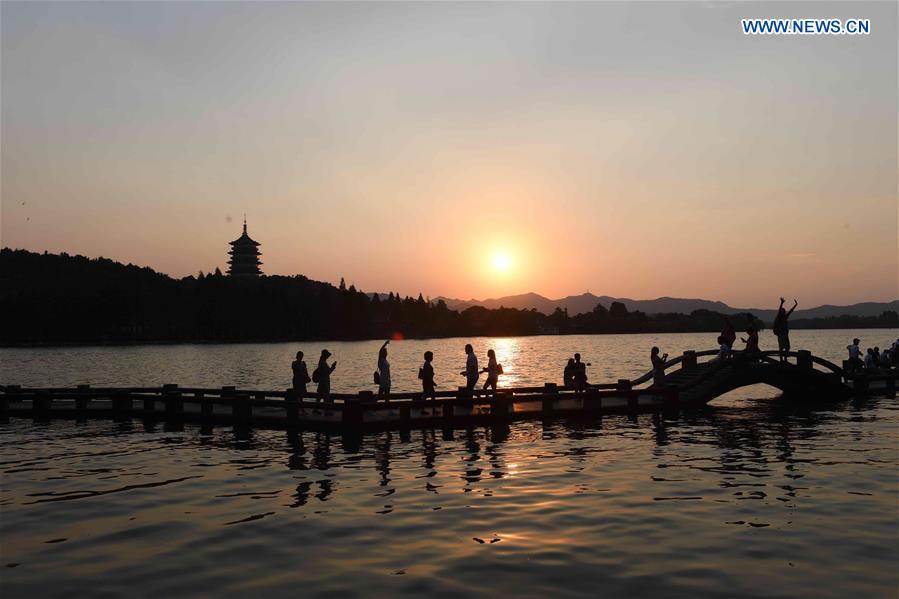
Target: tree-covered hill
[(58, 299)]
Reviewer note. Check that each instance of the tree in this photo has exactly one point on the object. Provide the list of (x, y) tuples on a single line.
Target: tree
[(617, 310)]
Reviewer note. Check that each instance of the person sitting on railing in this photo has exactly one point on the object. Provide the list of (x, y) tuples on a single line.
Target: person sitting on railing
[(752, 343), (658, 367), (426, 374), (493, 371), (580, 373), (723, 348), (568, 374), (300, 375), (781, 328)]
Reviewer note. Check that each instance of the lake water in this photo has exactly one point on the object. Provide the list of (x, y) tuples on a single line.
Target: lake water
[(751, 496)]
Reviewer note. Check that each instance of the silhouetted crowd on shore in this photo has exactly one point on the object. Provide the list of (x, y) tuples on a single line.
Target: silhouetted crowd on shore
[(873, 359)]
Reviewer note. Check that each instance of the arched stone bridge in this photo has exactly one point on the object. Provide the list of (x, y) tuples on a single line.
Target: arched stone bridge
[(700, 382)]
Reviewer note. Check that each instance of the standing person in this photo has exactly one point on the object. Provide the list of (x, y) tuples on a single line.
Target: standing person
[(658, 367), (323, 376), (752, 343), (728, 334), (471, 371), (492, 371), (876, 357), (568, 374), (426, 374), (300, 375), (580, 373), (781, 328), (855, 355), (383, 372), (886, 359)]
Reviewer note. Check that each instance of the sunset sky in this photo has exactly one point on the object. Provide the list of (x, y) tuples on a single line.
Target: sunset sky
[(461, 149)]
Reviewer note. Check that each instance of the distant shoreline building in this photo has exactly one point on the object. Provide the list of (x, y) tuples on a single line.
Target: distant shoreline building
[(244, 252)]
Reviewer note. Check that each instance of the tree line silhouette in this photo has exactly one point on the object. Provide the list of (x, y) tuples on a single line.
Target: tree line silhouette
[(59, 299)]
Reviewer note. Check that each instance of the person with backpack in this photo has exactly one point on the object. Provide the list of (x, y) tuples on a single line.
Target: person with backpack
[(300, 375), (781, 328), (493, 371), (322, 376), (426, 374)]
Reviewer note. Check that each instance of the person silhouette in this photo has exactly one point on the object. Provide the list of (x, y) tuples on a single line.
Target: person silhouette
[(658, 366), (752, 343), (471, 372), (580, 373), (723, 349), (855, 355), (323, 374), (492, 371), (383, 372), (781, 328), (728, 333), (426, 374), (300, 375), (568, 374)]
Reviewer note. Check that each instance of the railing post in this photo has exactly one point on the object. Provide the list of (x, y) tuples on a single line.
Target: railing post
[(292, 406), (121, 404), (448, 410), (405, 415), (171, 398), (499, 405), (804, 359), (12, 392), (689, 360), (626, 389), (207, 408), (238, 407), (592, 401), (550, 394), (41, 405), (81, 402), (890, 390), (150, 404), (352, 410), (673, 398)]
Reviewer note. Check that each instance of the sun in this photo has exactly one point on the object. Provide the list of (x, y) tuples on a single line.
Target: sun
[(501, 262)]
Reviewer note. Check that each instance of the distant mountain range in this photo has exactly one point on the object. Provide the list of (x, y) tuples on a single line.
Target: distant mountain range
[(577, 304)]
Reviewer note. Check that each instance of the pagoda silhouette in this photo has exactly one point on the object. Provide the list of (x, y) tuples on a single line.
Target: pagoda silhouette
[(244, 260)]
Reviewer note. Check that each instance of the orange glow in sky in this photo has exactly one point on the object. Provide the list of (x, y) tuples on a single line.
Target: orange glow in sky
[(552, 148)]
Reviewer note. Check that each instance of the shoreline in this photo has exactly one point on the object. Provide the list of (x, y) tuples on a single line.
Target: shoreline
[(135, 343)]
